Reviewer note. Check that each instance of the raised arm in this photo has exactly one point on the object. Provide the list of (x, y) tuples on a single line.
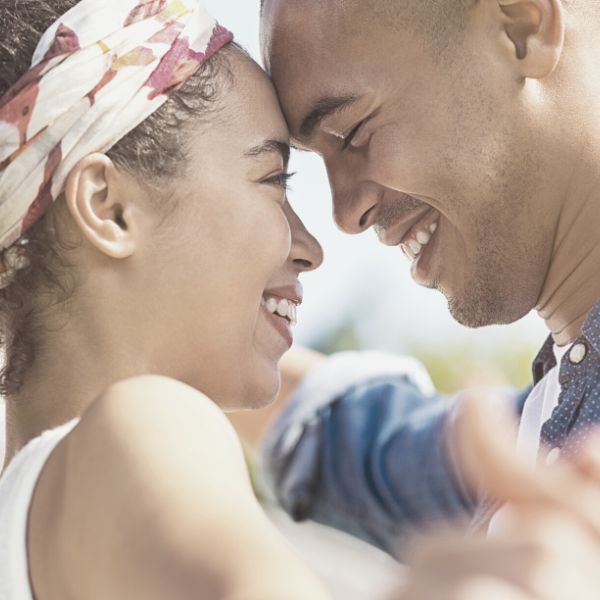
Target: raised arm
[(149, 498), (362, 447)]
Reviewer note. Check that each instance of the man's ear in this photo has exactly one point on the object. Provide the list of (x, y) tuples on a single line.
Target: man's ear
[(97, 199), (536, 32)]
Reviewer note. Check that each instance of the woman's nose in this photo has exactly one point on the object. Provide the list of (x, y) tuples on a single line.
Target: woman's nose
[(306, 253)]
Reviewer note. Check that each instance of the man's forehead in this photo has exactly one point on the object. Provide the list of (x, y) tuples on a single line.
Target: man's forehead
[(286, 22), (320, 8), (309, 96), (296, 52), (315, 63), (303, 36)]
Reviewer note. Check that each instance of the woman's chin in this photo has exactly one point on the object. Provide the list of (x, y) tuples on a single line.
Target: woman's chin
[(248, 403), (262, 396), (256, 393)]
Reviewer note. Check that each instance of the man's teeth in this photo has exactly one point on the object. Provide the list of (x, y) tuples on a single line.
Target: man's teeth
[(282, 307), (423, 237), (414, 246)]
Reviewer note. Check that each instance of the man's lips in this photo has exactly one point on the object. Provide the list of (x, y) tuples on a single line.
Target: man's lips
[(396, 234)]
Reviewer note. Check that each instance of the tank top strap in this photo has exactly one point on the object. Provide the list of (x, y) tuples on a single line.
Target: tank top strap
[(17, 485)]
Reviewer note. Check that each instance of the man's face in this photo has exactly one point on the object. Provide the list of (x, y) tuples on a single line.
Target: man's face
[(438, 150)]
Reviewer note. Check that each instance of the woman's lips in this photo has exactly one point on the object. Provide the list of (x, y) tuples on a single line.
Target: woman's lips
[(280, 306), (281, 324)]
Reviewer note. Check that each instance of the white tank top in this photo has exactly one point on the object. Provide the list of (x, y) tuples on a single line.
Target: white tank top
[(16, 490)]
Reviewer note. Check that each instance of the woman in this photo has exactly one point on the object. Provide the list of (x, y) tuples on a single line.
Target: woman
[(149, 279)]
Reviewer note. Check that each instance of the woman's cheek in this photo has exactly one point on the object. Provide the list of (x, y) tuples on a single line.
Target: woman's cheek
[(285, 232), (274, 234)]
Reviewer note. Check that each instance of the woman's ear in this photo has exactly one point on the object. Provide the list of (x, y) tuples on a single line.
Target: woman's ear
[(98, 199), (536, 32)]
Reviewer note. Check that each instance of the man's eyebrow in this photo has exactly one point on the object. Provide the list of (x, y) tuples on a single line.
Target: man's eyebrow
[(270, 147), (322, 109), (298, 148)]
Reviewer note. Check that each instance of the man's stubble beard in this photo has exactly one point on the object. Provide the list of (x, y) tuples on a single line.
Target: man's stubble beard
[(498, 288), (485, 298)]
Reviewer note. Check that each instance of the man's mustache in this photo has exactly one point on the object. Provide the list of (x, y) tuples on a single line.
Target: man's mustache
[(394, 210)]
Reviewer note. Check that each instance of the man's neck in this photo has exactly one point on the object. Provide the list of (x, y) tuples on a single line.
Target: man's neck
[(572, 285)]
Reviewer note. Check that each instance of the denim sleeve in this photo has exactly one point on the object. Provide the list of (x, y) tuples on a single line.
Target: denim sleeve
[(361, 448)]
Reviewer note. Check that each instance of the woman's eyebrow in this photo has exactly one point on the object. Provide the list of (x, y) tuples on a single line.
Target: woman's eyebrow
[(270, 147)]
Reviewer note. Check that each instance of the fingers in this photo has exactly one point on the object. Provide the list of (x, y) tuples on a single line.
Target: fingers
[(451, 559), (546, 556), (560, 553), (490, 460), (587, 462), (485, 443), (549, 548), (517, 562), (480, 587), (476, 588)]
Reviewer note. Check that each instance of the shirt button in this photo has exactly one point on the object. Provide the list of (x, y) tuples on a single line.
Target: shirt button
[(577, 353), (552, 456)]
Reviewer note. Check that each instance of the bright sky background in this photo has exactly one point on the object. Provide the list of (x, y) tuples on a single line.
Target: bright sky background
[(361, 278)]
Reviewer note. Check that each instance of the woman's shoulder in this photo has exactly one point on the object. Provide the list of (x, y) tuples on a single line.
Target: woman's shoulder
[(145, 397), (146, 473), (162, 428), (143, 412)]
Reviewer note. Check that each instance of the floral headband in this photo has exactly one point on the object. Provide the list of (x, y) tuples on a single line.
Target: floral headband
[(98, 72)]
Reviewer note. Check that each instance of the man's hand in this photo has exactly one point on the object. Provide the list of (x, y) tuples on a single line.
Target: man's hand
[(488, 459), (548, 544)]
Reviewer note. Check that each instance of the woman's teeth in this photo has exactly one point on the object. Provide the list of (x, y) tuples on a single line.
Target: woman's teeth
[(414, 245), (282, 307)]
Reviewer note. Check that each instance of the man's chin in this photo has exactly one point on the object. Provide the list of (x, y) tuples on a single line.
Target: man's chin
[(468, 318), (476, 312), (473, 311)]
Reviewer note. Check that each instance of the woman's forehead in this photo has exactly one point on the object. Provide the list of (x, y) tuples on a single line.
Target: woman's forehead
[(250, 111)]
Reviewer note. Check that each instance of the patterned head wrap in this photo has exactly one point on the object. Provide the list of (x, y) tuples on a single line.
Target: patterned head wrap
[(97, 73)]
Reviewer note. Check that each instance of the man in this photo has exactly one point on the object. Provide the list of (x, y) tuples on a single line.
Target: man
[(467, 133)]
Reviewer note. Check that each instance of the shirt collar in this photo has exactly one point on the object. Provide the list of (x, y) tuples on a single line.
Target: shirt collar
[(545, 360), (591, 327)]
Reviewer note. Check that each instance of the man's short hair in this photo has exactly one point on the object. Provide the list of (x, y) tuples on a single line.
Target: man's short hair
[(435, 18)]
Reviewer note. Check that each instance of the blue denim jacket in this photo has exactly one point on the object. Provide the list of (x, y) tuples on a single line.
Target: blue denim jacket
[(361, 446)]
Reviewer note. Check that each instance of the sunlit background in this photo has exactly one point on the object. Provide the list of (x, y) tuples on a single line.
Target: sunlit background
[(364, 297)]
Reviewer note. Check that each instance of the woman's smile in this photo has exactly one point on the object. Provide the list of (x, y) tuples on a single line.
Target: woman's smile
[(279, 308)]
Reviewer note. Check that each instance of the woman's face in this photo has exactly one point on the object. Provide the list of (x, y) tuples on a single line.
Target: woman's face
[(228, 258)]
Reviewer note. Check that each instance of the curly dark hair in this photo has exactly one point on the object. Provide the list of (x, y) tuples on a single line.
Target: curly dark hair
[(155, 152)]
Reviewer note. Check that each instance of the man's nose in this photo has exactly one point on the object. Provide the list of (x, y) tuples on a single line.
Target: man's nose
[(354, 199)]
